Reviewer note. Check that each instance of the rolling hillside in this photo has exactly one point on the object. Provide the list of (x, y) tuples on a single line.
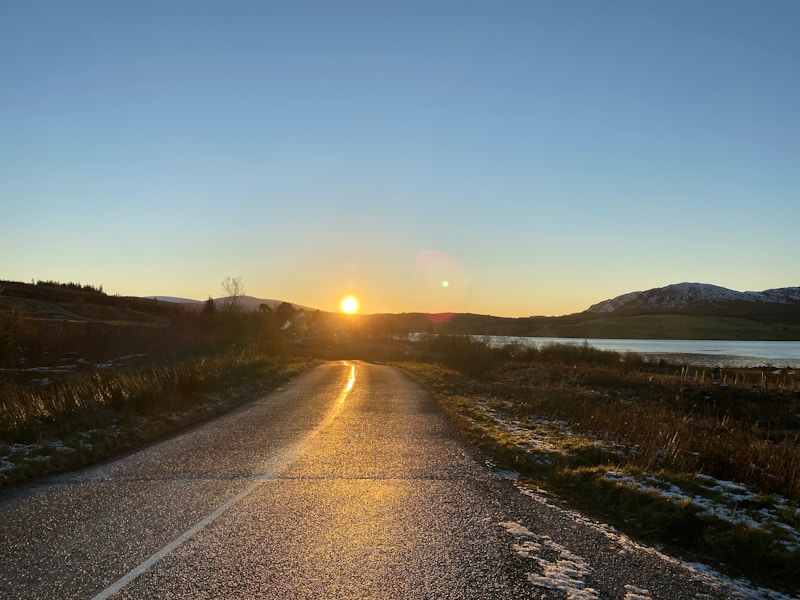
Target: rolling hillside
[(680, 311)]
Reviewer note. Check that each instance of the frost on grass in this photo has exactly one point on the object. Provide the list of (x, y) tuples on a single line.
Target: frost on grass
[(566, 572), (5, 465), (724, 500), (19, 456), (544, 439), (738, 589), (715, 498)]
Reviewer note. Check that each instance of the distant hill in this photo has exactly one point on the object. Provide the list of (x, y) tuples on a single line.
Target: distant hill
[(75, 303), (244, 302), (679, 311), (688, 296), (174, 300)]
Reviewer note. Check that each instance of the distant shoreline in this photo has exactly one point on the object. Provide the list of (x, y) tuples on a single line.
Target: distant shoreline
[(705, 353)]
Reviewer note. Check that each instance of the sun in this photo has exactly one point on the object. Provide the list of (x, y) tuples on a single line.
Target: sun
[(349, 305)]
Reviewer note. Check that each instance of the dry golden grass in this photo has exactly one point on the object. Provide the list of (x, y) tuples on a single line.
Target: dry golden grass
[(566, 418)]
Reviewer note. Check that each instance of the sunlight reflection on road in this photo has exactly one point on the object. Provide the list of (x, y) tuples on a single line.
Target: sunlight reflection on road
[(350, 382)]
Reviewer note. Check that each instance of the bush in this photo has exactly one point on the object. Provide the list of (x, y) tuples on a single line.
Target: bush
[(470, 357)]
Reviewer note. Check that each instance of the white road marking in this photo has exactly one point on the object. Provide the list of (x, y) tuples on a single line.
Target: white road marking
[(145, 566), (288, 457)]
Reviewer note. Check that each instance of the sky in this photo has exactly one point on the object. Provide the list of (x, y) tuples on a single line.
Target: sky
[(512, 158)]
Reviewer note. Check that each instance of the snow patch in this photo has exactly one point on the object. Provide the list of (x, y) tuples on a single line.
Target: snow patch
[(568, 572), (634, 593), (503, 473), (734, 588), (725, 500)]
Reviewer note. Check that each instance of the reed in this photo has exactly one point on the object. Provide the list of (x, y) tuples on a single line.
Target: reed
[(104, 411), (737, 424), (567, 416)]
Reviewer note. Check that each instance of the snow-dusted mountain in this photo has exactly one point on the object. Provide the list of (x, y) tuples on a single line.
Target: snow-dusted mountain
[(684, 295)]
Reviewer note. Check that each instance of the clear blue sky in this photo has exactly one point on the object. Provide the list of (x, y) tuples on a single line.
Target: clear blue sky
[(537, 156)]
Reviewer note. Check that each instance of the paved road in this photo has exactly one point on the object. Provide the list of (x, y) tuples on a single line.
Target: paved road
[(348, 483)]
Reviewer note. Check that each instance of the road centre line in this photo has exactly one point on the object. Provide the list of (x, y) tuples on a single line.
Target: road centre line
[(186, 536), (289, 457)]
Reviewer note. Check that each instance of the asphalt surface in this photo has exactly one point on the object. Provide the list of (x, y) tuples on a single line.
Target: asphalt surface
[(349, 482)]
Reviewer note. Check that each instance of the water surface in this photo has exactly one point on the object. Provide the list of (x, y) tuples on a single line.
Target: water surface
[(707, 353)]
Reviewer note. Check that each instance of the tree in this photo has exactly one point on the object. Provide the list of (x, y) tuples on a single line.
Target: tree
[(233, 289), (285, 311), (209, 306)]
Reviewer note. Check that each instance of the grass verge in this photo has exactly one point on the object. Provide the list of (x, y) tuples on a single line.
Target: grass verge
[(632, 461), (79, 421)]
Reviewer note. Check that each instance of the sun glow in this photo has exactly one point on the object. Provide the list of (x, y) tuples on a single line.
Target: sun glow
[(349, 305)]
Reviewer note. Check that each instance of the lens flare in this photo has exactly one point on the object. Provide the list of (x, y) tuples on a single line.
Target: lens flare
[(440, 285)]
